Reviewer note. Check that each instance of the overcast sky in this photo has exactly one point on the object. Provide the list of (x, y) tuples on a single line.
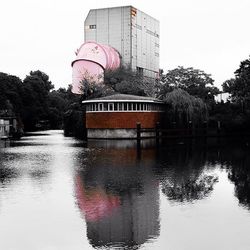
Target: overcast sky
[(212, 35)]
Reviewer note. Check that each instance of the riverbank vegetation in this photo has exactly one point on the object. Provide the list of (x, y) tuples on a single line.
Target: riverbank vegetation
[(34, 101), (189, 95)]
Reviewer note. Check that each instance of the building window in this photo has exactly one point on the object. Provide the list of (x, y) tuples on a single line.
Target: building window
[(141, 106), (105, 106), (92, 27), (134, 107), (111, 107), (129, 106), (100, 106), (125, 106), (120, 106)]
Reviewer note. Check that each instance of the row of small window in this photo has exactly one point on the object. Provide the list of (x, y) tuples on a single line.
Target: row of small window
[(92, 27), (152, 33), (122, 106)]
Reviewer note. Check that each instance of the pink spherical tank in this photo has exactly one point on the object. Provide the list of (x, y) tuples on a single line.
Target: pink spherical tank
[(92, 59)]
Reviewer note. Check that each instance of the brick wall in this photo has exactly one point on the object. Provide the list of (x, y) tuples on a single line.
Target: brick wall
[(122, 119)]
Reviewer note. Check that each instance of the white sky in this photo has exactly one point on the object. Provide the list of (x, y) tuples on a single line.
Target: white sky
[(212, 35)]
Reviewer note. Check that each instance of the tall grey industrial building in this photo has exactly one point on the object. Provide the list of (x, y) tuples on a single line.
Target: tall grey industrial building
[(130, 31)]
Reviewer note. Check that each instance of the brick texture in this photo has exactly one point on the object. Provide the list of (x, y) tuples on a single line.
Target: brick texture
[(111, 120)]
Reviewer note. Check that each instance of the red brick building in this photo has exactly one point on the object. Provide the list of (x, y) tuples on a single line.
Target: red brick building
[(116, 116)]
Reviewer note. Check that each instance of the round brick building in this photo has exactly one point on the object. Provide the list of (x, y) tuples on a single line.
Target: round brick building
[(116, 116)]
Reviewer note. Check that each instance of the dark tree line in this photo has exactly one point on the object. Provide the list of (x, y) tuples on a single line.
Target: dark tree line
[(188, 93), (33, 101), (235, 113)]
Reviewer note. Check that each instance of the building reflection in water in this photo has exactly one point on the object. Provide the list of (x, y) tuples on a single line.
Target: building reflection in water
[(118, 190), (119, 197)]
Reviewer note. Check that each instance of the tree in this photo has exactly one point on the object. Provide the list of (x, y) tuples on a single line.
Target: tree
[(182, 108), (11, 93), (92, 89), (122, 80), (126, 81), (187, 181), (239, 87), (36, 98), (44, 79), (194, 81)]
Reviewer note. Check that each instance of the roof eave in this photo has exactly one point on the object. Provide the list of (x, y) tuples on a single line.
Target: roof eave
[(122, 100)]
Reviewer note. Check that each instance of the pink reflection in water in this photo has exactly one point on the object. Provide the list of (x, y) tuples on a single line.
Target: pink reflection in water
[(95, 203)]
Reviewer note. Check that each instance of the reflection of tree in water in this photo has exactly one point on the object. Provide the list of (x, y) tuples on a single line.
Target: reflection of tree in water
[(7, 172), (183, 178), (233, 155), (237, 162), (193, 189), (241, 180), (119, 198)]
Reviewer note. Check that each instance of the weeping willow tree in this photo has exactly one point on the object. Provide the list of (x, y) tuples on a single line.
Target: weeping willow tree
[(183, 108)]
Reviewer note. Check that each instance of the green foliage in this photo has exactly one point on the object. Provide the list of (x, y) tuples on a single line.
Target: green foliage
[(232, 115), (46, 83), (239, 87), (194, 81), (32, 100), (237, 115), (11, 91), (126, 81), (92, 90), (122, 80), (36, 87), (182, 108), (74, 121)]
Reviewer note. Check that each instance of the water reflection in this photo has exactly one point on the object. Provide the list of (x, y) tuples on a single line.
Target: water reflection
[(119, 197), (7, 172), (236, 159), (118, 190), (182, 171), (66, 196)]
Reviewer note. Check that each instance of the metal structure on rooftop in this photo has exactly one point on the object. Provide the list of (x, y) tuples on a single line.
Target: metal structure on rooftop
[(92, 59)]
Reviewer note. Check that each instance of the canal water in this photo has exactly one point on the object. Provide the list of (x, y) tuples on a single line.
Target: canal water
[(59, 193)]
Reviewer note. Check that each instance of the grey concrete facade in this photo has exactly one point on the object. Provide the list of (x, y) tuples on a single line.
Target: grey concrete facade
[(116, 133), (134, 34)]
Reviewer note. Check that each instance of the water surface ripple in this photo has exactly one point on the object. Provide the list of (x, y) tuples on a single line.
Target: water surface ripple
[(60, 193)]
